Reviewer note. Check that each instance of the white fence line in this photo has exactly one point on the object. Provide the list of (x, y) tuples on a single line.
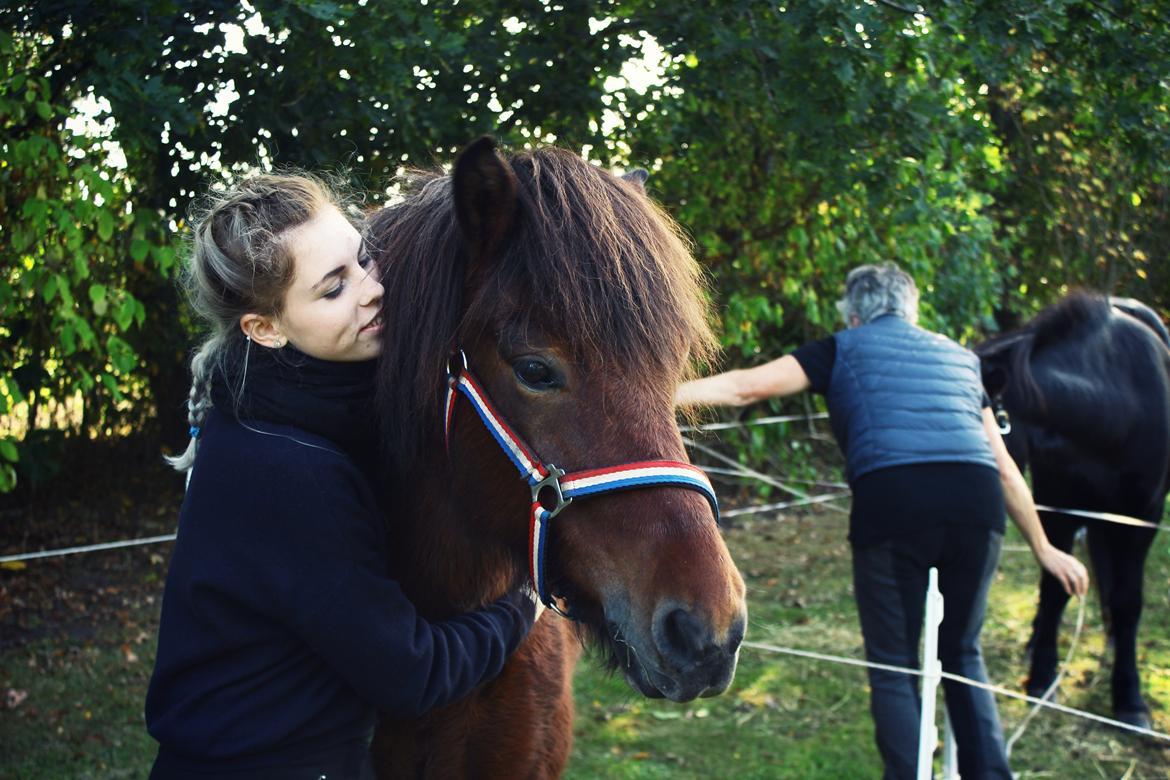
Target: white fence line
[(1110, 517), (86, 548), (996, 689), (783, 418), (933, 669), (1051, 691), (745, 470), (741, 511), (755, 510)]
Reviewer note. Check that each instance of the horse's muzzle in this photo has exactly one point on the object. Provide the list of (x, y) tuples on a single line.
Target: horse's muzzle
[(685, 659)]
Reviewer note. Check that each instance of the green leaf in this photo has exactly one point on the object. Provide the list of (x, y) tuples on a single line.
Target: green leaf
[(68, 337), (139, 249), (164, 256), (105, 226), (124, 316), (97, 292), (88, 339), (121, 354), (8, 450), (64, 291), (112, 385), (49, 290), (14, 389)]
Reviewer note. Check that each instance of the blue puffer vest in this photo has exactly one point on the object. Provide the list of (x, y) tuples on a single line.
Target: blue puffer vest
[(901, 395)]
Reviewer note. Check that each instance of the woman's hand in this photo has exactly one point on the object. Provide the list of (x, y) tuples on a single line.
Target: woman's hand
[(1070, 572), (527, 590)]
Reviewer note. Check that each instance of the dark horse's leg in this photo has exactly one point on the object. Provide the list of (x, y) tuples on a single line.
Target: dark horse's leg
[(1061, 531), (1121, 551)]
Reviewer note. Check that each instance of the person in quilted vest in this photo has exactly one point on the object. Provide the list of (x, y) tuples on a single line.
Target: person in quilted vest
[(931, 480)]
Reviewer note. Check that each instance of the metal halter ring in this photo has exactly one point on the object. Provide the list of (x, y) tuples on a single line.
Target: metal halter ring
[(1002, 419), (553, 480), (463, 357)]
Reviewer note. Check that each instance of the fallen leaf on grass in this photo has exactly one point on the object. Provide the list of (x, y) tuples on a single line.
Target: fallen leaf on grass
[(13, 698), (666, 714), (129, 655)]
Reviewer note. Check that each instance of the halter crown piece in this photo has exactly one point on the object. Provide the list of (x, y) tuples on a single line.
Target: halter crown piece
[(564, 487)]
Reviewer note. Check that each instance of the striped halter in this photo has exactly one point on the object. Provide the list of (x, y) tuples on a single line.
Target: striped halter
[(564, 487)]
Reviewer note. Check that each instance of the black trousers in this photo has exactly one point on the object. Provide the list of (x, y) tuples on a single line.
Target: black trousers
[(890, 580)]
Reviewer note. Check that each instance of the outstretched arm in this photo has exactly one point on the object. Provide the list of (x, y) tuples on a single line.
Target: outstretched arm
[(1068, 570), (780, 377)]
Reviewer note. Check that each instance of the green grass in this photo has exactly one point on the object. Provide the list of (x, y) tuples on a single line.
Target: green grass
[(783, 717), (788, 717), (83, 715)]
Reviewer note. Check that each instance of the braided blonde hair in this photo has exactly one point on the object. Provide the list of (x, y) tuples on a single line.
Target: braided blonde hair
[(240, 264)]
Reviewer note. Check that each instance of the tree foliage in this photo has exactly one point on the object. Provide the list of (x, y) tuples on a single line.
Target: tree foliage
[(1002, 151), (178, 95)]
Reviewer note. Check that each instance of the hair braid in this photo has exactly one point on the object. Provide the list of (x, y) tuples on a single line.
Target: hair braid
[(198, 400)]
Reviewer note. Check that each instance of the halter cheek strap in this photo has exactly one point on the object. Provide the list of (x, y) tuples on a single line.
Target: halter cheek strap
[(554, 482)]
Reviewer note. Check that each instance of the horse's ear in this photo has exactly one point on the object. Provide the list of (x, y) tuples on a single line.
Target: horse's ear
[(995, 376), (485, 196), (637, 177)]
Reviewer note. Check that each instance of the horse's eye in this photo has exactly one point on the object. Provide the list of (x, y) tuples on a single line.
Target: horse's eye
[(536, 374)]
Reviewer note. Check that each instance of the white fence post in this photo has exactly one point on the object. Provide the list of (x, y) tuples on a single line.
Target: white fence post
[(950, 769), (931, 669)]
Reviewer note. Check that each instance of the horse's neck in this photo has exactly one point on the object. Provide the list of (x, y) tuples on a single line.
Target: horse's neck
[(442, 567)]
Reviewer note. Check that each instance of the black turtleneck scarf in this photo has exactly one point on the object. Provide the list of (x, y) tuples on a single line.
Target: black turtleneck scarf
[(333, 399)]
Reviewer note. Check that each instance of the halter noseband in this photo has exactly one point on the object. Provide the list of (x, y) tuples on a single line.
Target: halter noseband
[(565, 487)]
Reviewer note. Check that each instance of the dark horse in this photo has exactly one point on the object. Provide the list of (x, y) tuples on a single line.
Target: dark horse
[(1086, 385), (578, 307)]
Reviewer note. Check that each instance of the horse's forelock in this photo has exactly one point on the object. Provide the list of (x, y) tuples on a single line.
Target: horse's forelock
[(593, 263), (595, 259), (422, 260)]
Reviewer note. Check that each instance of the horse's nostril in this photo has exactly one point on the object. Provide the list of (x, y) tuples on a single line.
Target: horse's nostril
[(680, 636)]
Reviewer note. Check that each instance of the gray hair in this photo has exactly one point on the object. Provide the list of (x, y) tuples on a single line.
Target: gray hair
[(238, 264), (874, 290)]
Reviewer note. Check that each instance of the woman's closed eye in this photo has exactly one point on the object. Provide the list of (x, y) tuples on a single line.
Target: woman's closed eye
[(364, 262), (336, 290)]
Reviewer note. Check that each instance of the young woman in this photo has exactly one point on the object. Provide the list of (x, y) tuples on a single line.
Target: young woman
[(282, 631), (931, 481)]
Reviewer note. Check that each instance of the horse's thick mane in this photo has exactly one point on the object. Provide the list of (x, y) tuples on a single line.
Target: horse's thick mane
[(1078, 310), (591, 261), (1051, 324)]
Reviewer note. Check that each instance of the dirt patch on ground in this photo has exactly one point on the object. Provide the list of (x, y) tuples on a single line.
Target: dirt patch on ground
[(110, 492)]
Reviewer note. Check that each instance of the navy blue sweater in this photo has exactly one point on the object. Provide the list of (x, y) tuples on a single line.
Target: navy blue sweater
[(282, 631)]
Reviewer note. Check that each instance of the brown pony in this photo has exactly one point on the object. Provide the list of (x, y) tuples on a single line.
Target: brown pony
[(578, 307)]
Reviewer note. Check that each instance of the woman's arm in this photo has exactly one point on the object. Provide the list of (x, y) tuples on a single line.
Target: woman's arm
[(330, 583), (1068, 570), (780, 377), (369, 632)]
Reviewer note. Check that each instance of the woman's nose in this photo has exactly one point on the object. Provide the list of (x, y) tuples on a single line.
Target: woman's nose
[(372, 290)]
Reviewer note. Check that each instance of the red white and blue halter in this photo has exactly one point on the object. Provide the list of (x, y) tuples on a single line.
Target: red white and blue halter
[(564, 487)]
